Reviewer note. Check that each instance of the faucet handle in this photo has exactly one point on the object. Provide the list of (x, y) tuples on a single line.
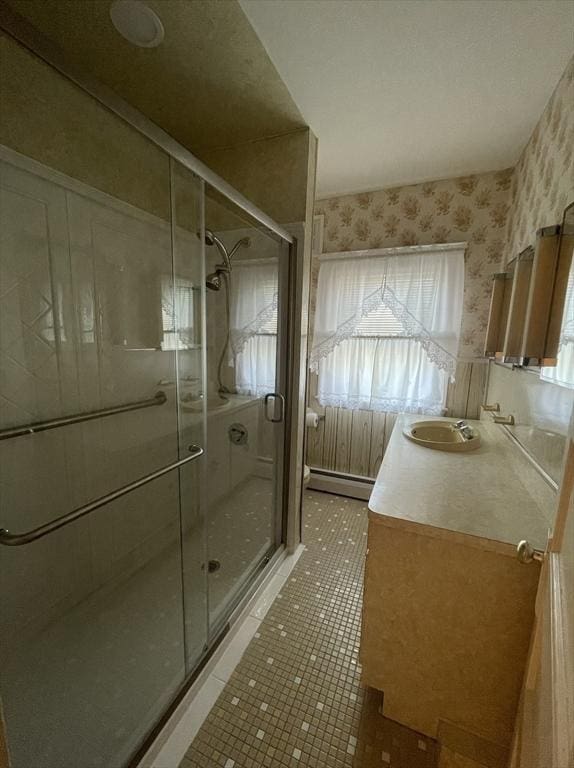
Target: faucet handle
[(460, 424), (509, 420)]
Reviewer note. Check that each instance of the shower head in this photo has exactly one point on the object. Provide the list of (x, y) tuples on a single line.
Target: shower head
[(209, 237), (213, 280)]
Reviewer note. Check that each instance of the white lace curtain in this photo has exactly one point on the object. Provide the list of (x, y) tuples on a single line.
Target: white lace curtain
[(253, 325), (387, 328)]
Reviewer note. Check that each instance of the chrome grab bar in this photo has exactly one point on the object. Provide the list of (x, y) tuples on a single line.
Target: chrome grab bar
[(17, 539), (41, 426)]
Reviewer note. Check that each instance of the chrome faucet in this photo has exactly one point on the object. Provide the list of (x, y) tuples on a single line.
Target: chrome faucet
[(462, 427)]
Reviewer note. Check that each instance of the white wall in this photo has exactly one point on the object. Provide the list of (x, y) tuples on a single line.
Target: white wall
[(541, 412)]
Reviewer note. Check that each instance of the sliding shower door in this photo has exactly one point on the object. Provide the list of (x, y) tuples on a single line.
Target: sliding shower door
[(184, 315), (142, 415), (100, 340), (245, 400)]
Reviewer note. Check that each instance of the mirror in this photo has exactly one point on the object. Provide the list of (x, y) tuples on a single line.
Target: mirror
[(561, 326)]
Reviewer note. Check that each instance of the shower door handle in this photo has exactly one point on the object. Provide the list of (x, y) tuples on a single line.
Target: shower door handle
[(276, 396)]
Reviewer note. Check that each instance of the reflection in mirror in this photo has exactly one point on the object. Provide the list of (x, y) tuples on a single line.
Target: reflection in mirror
[(563, 372), (180, 313)]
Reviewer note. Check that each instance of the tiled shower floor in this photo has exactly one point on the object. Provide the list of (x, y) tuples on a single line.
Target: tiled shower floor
[(295, 698)]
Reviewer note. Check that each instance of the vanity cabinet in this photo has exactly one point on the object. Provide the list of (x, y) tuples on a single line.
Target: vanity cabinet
[(448, 609)]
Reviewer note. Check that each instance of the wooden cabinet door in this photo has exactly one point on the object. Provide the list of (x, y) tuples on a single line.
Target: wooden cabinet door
[(544, 734)]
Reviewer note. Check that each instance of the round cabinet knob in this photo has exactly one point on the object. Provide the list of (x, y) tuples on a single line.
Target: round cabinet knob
[(526, 553)]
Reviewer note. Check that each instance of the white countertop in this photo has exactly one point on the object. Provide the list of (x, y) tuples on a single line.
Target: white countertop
[(492, 492)]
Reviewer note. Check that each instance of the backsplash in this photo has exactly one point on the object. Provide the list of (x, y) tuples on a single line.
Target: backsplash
[(541, 413)]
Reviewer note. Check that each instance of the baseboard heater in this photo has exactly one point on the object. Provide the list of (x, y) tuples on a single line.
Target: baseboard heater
[(341, 483)]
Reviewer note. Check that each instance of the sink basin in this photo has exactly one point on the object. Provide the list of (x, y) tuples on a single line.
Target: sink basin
[(442, 436)]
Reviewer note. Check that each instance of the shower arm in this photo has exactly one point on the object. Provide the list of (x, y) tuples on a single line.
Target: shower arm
[(239, 244), (223, 251), (226, 255)]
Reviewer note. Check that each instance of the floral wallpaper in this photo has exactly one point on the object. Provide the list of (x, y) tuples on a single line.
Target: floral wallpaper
[(543, 180), (496, 213), (471, 208)]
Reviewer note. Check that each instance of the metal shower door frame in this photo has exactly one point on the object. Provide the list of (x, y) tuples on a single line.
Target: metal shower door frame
[(26, 35), (23, 32)]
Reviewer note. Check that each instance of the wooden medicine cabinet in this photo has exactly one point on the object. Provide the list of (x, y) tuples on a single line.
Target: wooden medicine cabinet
[(527, 302), (561, 322), (498, 315)]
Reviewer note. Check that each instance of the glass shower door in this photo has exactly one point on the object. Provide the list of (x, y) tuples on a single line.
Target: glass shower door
[(186, 309), (123, 358), (244, 400), (93, 640)]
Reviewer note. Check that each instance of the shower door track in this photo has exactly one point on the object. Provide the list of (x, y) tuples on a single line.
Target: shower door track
[(238, 614)]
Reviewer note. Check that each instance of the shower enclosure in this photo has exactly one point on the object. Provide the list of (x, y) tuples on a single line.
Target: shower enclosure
[(141, 481)]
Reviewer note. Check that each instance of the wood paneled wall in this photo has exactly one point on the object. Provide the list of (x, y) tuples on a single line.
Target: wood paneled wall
[(465, 396), (350, 441), (354, 442)]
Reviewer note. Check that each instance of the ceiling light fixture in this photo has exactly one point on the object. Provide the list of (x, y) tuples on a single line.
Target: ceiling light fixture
[(137, 22)]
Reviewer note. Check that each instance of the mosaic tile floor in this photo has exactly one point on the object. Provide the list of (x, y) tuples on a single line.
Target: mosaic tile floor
[(295, 699)]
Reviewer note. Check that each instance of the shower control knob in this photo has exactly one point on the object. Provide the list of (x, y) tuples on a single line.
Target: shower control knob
[(238, 434)]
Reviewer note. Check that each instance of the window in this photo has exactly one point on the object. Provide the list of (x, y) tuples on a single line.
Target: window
[(387, 327), (254, 325)]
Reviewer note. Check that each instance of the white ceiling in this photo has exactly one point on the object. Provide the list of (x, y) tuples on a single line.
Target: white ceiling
[(403, 91)]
